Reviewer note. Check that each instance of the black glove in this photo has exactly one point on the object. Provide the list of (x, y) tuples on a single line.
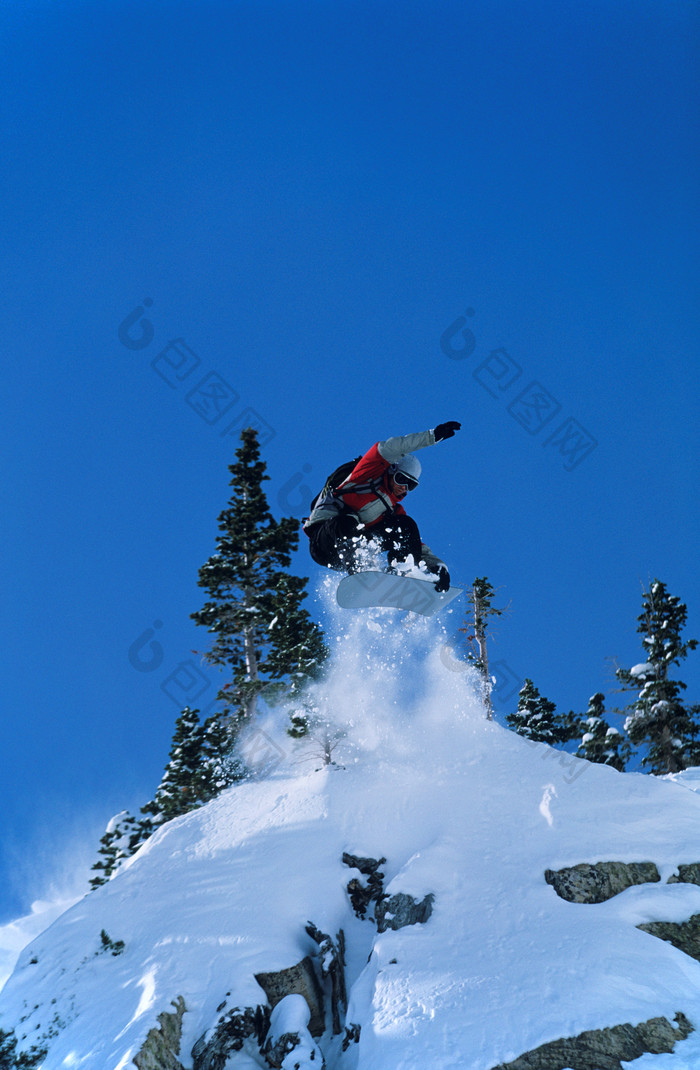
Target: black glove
[(447, 430), (443, 580)]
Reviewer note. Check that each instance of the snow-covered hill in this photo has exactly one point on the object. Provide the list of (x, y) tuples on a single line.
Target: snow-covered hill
[(463, 811)]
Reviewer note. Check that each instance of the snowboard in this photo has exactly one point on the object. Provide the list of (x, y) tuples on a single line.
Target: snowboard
[(364, 589)]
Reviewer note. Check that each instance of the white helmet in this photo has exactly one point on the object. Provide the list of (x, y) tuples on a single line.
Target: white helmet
[(410, 466)]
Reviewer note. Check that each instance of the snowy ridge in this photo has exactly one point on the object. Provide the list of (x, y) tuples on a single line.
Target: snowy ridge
[(460, 808)]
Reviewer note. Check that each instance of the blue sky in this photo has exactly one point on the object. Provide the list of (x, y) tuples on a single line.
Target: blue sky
[(352, 220)]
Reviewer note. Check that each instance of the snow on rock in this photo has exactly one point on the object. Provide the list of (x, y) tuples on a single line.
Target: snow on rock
[(464, 811), (289, 1044)]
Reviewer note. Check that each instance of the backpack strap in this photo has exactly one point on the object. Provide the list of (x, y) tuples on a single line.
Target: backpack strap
[(331, 494), (390, 507), (372, 487), (358, 488)]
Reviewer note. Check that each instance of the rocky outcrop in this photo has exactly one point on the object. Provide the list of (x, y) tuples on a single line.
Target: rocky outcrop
[(283, 1031), (604, 1049), (596, 882), (689, 874), (231, 1032), (289, 1036), (332, 966), (390, 912), (162, 1045), (300, 980), (293, 1015), (685, 935), (361, 895), (396, 911), (352, 1035)]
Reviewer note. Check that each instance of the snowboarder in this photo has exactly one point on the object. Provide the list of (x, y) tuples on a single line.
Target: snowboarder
[(367, 507)]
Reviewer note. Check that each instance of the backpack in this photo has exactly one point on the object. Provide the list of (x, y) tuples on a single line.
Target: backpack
[(338, 476), (335, 480)]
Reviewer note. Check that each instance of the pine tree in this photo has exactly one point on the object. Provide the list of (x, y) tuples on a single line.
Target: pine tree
[(264, 637), (262, 634), (601, 743), (304, 717), (187, 781), (123, 837), (200, 767), (221, 765), (536, 718), (11, 1059), (658, 718), (8, 1050)]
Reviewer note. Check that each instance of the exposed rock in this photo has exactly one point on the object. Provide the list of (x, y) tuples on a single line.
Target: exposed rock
[(289, 1043), (398, 910), (391, 912), (352, 1035), (596, 882), (685, 935), (302, 980), (361, 895), (604, 1049), (162, 1045), (689, 874), (231, 1031), (332, 966)]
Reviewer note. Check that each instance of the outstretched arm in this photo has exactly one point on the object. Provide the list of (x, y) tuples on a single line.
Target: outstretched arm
[(393, 449)]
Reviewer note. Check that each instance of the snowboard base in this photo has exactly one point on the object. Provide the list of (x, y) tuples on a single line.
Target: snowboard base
[(362, 590)]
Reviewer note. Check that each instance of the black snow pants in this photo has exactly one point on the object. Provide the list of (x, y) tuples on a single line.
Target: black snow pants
[(334, 542)]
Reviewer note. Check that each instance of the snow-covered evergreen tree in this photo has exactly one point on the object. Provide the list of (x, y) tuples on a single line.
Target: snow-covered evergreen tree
[(187, 780), (658, 718), (536, 718), (262, 634), (221, 764), (201, 764), (8, 1050), (303, 718), (122, 838), (601, 743), (11, 1059)]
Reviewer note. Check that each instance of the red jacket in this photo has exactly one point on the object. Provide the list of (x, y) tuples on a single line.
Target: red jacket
[(371, 506)]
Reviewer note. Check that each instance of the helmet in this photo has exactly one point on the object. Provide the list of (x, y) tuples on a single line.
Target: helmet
[(409, 465)]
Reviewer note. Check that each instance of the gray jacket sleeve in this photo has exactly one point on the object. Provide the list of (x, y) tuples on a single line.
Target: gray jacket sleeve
[(393, 449)]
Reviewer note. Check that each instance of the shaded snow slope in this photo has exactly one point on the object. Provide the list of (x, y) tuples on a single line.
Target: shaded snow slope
[(461, 808), (15, 935)]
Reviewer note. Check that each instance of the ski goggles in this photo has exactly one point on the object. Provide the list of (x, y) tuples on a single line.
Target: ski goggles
[(405, 481)]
